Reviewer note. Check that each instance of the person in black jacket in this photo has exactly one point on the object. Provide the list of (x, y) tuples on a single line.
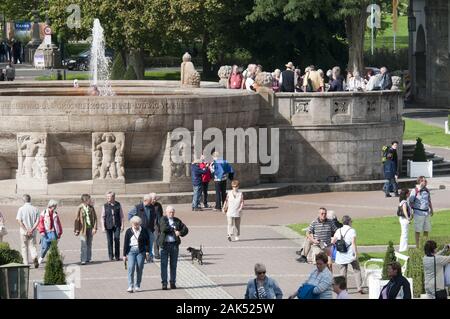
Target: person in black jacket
[(136, 248), (386, 79), (112, 225), (398, 286), (158, 210), (389, 170), (172, 229), (145, 210)]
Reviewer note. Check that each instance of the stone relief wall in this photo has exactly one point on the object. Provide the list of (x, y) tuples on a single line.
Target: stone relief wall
[(108, 155)]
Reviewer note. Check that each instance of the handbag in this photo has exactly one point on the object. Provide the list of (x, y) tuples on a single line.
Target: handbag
[(225, 205), (441, 293)]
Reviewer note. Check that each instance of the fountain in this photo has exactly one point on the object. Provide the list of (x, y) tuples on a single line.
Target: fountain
[(99, 63)]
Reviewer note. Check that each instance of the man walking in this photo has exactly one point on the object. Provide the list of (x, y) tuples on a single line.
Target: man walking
[(157, 208), (28, 219), (172, 229), (112, 224), (420, 202), (86, 227), (145, 210), (222, 170)]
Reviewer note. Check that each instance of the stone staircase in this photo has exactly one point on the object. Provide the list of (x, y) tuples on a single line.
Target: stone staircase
[(440, 166)]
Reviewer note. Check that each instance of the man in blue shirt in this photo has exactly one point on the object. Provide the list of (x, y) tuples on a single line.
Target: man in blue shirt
[(222, 170), (420, 202)]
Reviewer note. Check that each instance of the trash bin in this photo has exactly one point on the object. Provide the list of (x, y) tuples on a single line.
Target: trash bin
[(14, 281)]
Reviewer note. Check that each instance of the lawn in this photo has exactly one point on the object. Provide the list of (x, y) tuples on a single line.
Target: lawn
[(379, 231), (431, 135), (149, 75), (386, 38)]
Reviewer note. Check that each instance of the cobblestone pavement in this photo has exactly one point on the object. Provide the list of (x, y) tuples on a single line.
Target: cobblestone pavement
[(227, 265)]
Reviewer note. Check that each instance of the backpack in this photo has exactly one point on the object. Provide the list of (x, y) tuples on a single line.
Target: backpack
[(341, 246), (385, 151)]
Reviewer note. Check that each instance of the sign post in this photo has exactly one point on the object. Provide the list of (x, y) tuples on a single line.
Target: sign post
[(48, 35), (373, 21)]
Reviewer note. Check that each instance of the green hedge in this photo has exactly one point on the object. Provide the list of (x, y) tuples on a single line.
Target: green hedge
[(388, 258), (8, 255), (414, 269), (54, 269)]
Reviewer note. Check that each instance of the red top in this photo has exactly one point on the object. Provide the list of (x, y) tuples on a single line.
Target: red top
[(206, 177)]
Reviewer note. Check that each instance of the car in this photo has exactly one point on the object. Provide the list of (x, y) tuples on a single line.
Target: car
[(81, 61)]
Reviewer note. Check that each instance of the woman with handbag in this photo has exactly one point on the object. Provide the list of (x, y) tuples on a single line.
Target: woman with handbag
[(232, 207), (404, 217), (262, 287), (433, 268), (49, 227), (3, 231)]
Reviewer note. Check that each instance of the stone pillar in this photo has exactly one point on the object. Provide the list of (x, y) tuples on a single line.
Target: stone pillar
[(437, 25), (31, 47), (108, 162), (37, 163), (178, 175)]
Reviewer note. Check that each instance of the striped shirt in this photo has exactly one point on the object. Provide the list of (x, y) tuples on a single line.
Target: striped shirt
[(322, 231)]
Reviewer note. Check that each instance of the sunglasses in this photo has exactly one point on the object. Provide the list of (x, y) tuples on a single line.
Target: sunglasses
[(261, 272)]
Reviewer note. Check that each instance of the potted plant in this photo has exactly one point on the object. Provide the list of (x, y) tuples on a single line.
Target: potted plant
[(54, 285), (377, 283), (420, 166)]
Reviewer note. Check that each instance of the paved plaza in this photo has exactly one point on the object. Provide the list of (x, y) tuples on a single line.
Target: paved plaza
[(227, 265)]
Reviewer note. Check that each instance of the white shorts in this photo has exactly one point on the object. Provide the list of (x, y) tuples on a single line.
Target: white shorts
[(422, 223)]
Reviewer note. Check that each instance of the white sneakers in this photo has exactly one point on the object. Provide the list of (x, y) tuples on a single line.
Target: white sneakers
[(137, 289), (236, 238), (40, 260), (130, 289)]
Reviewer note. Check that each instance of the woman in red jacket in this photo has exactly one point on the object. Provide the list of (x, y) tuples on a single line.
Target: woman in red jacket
[(206, 177), (49, 227)]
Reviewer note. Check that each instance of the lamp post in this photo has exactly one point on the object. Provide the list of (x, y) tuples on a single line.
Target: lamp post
[(14, 280)]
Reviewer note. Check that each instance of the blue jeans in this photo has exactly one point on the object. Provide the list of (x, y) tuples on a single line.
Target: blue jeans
[(197, 196), (86, 246), (387, 185), (135, 260), (169, 250), (151, 238), (46, 241)]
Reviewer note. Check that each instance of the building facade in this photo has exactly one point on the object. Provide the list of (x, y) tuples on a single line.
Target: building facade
[(429, 52)]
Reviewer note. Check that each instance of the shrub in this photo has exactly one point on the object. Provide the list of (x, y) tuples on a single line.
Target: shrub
[(118, 68), (419, 152), (388, 258), (54, 269), (414, 270), (8, 255), (130, 74)]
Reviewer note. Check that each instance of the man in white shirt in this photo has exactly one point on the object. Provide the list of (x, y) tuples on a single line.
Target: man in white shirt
[(28, 220), (350, 255)]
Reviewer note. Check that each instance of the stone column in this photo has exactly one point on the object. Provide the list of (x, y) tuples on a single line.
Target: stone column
[(37, 163), (108, 162)]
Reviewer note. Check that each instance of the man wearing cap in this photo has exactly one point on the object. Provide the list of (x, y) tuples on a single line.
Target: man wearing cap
[(287, 79)]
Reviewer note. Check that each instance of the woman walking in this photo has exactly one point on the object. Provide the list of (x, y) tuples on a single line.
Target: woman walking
[(86, 227), (49, 227), (404, 213), (233, 207), (136, 248)]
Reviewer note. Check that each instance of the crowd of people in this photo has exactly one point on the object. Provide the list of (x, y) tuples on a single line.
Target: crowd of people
[(311, 80), (12, 51)]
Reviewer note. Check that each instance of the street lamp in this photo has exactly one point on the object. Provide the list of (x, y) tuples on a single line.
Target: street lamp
[(14, 281)]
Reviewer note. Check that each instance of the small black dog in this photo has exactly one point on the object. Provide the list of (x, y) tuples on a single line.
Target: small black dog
[(196, 254)]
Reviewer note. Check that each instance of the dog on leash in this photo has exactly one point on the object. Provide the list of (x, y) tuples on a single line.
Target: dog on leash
[(196, 254)]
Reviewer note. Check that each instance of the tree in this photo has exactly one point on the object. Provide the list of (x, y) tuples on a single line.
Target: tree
[(352, 13), (130, 26), (54, 269), (118, 68), (130, 74), (388, 258), (419, 154)]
